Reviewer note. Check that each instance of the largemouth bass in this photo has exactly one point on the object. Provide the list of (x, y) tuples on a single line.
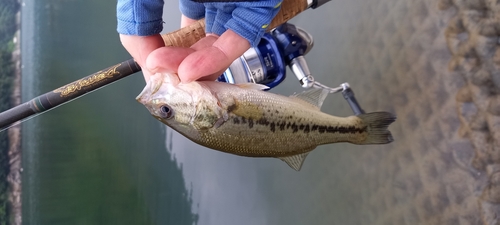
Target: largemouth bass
[(247, 121)]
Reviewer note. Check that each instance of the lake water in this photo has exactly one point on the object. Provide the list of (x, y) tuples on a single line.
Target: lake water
[(102, 159)]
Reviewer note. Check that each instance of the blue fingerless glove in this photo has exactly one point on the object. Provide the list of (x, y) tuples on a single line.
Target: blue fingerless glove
[(139, 17), (248, 19)]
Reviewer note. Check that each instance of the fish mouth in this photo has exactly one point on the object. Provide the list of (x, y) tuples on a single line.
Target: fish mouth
[(150, 89)]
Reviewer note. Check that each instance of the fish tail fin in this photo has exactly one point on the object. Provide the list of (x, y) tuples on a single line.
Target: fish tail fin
[(377, 124)]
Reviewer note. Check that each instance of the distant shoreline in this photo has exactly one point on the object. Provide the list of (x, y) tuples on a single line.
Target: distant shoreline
[(14, 135)]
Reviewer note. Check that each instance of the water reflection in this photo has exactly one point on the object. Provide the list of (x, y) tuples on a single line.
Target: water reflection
[(101, 159), (395, 56)]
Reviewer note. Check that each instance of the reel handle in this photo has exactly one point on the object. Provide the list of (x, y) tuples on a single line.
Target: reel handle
[(187, 36), (349, 97)]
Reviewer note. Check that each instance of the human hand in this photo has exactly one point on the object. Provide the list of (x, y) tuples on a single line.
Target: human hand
[(139, 47), (231, 29), (212, 54), (206, 59)]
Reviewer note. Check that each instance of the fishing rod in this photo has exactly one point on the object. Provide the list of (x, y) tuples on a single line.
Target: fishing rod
[(184, 37)]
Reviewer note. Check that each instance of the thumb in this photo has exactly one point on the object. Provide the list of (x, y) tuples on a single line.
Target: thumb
[(213, 59), (139, 47), (166, 59)]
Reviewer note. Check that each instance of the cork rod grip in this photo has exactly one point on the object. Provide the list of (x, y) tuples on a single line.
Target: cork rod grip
[(189, 35)]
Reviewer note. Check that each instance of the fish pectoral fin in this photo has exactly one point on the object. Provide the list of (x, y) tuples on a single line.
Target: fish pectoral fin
[(313, 96), (252, 86), (220, 121), (295, 161)]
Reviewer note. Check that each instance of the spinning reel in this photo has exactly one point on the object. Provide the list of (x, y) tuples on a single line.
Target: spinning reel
[(266, 64)]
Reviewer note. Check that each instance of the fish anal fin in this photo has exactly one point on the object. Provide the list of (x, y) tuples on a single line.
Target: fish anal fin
[(252, 86), (295, 161), (313, 96)]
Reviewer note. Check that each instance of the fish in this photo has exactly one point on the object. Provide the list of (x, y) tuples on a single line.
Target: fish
[(245, 120)]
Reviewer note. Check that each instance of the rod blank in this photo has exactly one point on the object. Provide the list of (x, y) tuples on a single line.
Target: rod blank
[(68, 92)]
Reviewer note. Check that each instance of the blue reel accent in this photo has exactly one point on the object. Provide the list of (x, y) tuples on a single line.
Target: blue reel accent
[(274, 52), (290, 41), (272, 61)]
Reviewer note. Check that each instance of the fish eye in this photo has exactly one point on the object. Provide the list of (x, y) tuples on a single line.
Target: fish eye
[(166, 112)]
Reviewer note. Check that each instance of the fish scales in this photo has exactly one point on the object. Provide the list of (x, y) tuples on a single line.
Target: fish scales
[(264, 126), (246, 121)]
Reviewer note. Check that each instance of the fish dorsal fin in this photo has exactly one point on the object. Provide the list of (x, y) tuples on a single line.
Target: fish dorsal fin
[(252, 86), (313, 96), (295, 161)]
